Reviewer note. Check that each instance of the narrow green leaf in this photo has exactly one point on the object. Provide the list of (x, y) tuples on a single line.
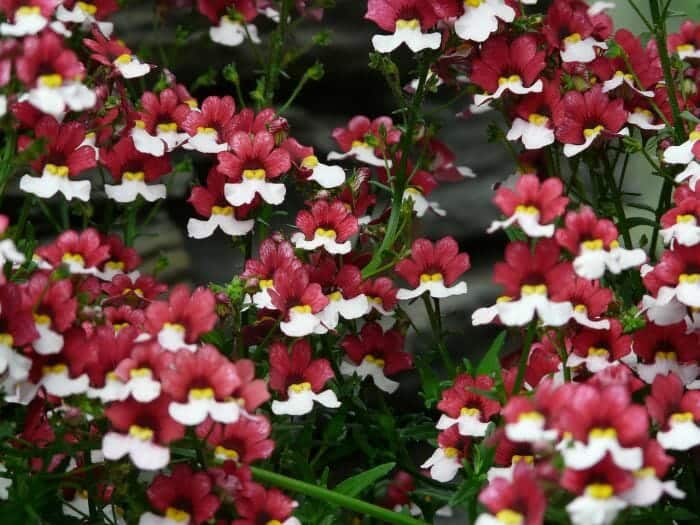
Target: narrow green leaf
[(356, 484), (490, 362)]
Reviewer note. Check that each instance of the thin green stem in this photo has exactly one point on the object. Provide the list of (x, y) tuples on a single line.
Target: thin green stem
[(334, 498), (436, 327), (522, 363)]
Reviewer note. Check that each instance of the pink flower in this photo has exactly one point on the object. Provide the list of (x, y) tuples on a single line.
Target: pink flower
[(245, 441), (328, 224), (521, 497), (82, 252), (256, 504)]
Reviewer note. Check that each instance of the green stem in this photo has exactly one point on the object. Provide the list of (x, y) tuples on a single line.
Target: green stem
[(522, 364), (617, 201), (295, 93), (275, 60), (436, 326), (334, 498)]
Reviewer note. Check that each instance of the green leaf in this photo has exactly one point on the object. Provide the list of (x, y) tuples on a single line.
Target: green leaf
[(490, 363), (354, 485)]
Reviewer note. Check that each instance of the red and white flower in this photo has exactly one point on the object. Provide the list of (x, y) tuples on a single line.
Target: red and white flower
[(355, 140), (299, 379), (664, 350), (466, 409), (648, 487), (599, 349), (680, 223), (677, 413), (683, 153), (157, 130), (88, 13), (481, 18), (228, 31), (209, 201), (112, 53), (381, 295), (26, 17), (310, 168), (447, 459), (200, 385), (210, 127), (569, 28), (589, 299), (257, 505), (503, 66), (525, 421), (17, 331), (140, 372), (329, 225), (532, 205), (82, 253), (533, 124), (376, 354), (298, 300), (344, 291), (251, 165), (273, 256), (142, 431), (518, 501), (65, 159), (112, 344), (433, 269), (243, 442)]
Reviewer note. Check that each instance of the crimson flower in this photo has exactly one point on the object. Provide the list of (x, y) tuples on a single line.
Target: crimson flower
[(210, 127), (244, 441), (466, 409), (521, 498), (82, 252), (298, 300), (328, 224), (257, 505)]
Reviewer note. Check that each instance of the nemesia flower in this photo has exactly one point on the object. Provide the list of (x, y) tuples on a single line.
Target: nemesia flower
[(677, 413), (680, 223), (683, 153), (53, 75), (648, 487), (112, 345), (140, 372), (583, 117), (200, 385), (273, 256), (65, 158), (251, 165), (25, 17), (179, 322), (664, 350), (127, 288), (598, 349), (133, 170), (570, 29), (398, 492), (674, 277), (533, 124), (589, 299), (8, 250), (209, 201), (469, 411), (532, 205), (156, 131), (81, 252), (142, 431), (481, 17), (527, 279), (447, 459), (594, 245), (88, 13), (113, 53), (310, 168), (503, 66), (603, 423), (381, 294), (364, 138), (518, 501), (17, 329), (257, 505), (298, 300), (434, 269), (344, 291), (525, 423), (209, 127), (376, 354), (122, 259), (182, 497), (251, 392), (244, 441), (685, 42), (64, 374), (508, 455), (328, 224), (299, 379), (422, 184), (408, 21), (228, 31)]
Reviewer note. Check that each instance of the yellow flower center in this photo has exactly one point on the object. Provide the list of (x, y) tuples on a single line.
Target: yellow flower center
[(57, 171), (375, 300), (685, 48), (528, 210), (469, 411), (302, 309), (537, 119), (472, 3), (644, 112), (414, 23), (274, 522), (114, 265), (503, 299), (690, 278), (590, 132), (88, 8), (597, 352), (51, 81), (176, 327), (199, 394), (413, 191), (510, 517), (119, 326), (73, 258), (595, 244), (682, 417), (603, 433), (206, 131), (573, 38), (694, 135), (531, 416), (335, 296), (626, 76), (136, 291), (6, 340), (177, 515), (310, 162), (27, 10), (265, 284), (450, 452), (226, 453), (124, 59), (221, 210), (513, 79), (258, 174), (322, 232), (599, 490), (141, 433), (140, 372), (54, 369), (359, 144), (134, 175), (112, 376), (42, 319), (684, 218), (375, 360), (191, 103), (666, 356), (427, 278), (298, 388), (517, 458), (580, 308), (167, 127), (533, 289), (646, 472)]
